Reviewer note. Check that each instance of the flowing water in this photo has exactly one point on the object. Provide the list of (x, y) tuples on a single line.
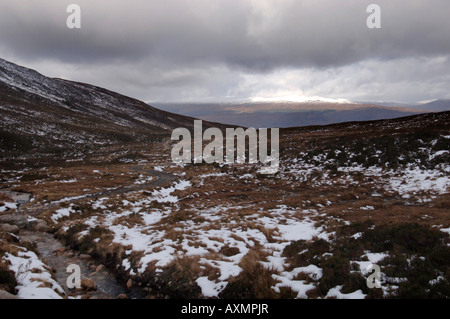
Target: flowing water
[(58, 257)]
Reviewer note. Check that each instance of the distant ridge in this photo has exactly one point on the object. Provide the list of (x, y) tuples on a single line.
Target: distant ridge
[(287, 114)]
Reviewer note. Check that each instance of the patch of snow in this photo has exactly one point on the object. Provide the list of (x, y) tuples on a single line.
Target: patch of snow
[(210, 288), (357, 235), (336, 293), (299, 286), (31, 273), (438, 153), (164, 194), (436, 281), (69, 181), (62, 212), (8, 205), (414, 180)]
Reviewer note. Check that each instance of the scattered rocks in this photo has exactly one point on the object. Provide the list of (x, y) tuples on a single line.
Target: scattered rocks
[(24, 222), (14, 219)]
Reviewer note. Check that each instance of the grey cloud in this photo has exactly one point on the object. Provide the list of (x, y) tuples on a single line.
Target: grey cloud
[(185, 49), (250, 34)]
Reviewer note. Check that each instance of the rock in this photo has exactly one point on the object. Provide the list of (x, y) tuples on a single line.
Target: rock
[(85, 256), (129, 283), (14, 219), (7, 228), (38, 225), (99, 268), (122, 296), (88, 284), (6, 295)]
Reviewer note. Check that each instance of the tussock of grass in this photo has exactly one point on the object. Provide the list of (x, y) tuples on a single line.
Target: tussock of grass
[(177, 280), (10, 244), (130, 220), (254, 282)]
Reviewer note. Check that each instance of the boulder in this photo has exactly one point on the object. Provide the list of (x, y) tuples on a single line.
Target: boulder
[(38, 225), (88, 284), (7, 228), (14, 219)]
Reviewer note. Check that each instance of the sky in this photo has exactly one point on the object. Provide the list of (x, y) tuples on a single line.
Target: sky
[(237, 50)]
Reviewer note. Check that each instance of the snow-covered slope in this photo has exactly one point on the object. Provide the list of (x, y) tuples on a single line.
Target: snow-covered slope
[(38, 110)]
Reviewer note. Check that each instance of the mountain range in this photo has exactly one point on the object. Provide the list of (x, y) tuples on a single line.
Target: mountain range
[(293, 114), (287, 114)]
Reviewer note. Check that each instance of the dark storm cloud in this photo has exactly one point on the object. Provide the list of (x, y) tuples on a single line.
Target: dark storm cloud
[(186, 48), (250, 34)]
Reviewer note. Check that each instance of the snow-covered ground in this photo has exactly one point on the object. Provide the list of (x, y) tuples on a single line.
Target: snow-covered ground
[(33, 276), (167, 228), (203, 237), (406, 181), (7, 205)]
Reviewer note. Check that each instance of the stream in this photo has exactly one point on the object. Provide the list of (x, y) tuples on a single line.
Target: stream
[(58, 257)]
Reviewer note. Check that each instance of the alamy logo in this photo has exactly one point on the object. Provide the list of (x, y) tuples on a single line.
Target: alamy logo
[(373, 280), (74, 279), (374, 19), (214, 151), (74, 19)]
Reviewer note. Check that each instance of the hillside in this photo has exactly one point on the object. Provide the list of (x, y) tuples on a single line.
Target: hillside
[(435, 106), (54, 116)]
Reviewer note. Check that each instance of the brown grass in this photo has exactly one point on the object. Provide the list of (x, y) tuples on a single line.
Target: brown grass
[(178, 278), (130, 220), (254, 282), (5, 198), (229, 251)]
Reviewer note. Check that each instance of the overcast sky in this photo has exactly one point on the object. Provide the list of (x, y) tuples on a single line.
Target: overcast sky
[(215, 50)]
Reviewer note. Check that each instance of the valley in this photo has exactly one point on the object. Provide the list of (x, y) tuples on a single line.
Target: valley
[(105, 193)]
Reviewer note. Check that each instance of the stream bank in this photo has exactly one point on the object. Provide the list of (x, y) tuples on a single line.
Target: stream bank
[(97, 281)]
